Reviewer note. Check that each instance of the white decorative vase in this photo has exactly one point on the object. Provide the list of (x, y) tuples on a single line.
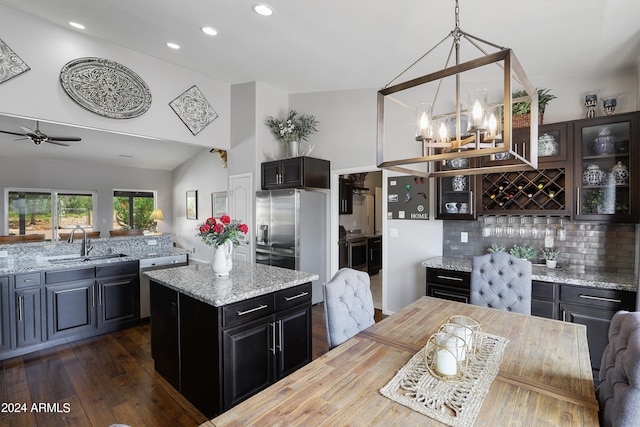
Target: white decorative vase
[(293, 148), (222, 260), (551, 263)]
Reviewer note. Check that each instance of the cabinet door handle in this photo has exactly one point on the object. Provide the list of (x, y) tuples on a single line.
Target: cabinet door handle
[(450, 278), (591, 297), (471, 201), (20, 305), (261, 307), (577, 200), (93, 296), (279, 335), (300, 295), (273, 338)]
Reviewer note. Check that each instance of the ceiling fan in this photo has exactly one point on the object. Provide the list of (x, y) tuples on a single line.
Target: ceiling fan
[(39, 137)]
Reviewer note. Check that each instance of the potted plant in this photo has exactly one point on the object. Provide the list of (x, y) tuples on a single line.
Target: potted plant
[(522, 109), (495, 248), (525, 252), (550, 255), (293, 129)]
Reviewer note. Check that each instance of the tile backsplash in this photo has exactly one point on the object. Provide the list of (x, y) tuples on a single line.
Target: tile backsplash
[(586, 247)]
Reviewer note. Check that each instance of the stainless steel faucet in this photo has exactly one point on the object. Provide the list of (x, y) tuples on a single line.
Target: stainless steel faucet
[(86, 244)]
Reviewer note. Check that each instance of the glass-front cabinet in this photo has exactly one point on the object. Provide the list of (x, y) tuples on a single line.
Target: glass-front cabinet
[(455, 193), (606, 169)]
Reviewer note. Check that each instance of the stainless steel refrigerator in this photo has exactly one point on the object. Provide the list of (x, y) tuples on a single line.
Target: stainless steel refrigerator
[(291, 232)]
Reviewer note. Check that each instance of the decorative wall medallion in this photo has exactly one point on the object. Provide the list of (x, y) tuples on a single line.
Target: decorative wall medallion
[(194, 110), (105, 87), (11, 64)]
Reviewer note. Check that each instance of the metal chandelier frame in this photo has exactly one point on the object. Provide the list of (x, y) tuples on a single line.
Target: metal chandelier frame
[(471, 147)]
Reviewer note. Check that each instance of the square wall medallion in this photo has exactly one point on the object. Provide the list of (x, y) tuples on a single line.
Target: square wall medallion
[(194, 110), (11, 64)]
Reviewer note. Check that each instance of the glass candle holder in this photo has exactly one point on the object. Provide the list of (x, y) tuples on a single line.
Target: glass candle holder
[(478, 109), (424, 127), (445, 356), (472, 332)]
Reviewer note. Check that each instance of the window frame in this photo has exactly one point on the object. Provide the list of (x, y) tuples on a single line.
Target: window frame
[(133, 194), (54, 192)]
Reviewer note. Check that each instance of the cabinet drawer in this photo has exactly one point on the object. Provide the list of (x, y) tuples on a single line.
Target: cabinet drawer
[(604, 298), (27, 280), (117, 269), (449, 277), (543, 290), (293, 296), (245, 311), (62, 276)]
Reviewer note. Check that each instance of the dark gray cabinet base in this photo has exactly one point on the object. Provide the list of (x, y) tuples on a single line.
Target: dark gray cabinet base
[(219, 356)]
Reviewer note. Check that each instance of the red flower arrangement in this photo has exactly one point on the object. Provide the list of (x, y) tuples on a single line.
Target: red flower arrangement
[(216, 233)]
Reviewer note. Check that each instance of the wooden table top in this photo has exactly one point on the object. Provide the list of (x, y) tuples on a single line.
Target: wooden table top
[(545, 377)]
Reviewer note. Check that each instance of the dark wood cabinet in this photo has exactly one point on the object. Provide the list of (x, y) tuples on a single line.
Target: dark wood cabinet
[(164, 333), (118, 299), (296, 172), (449, 284), (374, 246), (71, 308), (219, 356), (606, 158), (28, 311), (594, 308), (455, 194), (81, 300), (345, 196), (5, 318)]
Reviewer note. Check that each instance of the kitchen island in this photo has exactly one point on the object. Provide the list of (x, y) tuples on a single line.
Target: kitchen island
[(219, 340)]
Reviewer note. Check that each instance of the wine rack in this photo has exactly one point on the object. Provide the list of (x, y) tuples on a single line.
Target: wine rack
[(526, 192)]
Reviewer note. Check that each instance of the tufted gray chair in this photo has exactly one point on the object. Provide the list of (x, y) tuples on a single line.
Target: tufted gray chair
[(500, 280), (348, 305), (619, 390)]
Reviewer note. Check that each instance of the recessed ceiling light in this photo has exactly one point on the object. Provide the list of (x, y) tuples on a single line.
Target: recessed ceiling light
[(173, 45), (76, 25), (209, 31), (262, 9)]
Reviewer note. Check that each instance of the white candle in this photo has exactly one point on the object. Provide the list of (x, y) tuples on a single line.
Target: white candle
[(465, 334), (446, 363), (424, 125), (476, 112)]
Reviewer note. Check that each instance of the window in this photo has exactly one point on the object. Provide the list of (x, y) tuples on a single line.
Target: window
[(46, 212), (132, 209)]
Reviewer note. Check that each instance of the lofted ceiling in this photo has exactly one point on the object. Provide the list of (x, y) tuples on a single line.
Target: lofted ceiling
[(326, 45)]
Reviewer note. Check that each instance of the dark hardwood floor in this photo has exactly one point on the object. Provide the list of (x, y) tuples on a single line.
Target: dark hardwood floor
[(101, 381)]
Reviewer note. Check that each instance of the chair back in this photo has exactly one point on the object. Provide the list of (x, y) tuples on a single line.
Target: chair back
[(502, 281), (90, 235), (25, 238), (132, 232), (348, 305), (619, 390)]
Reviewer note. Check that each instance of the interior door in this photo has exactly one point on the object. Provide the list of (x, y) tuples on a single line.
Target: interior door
[(241, 208)]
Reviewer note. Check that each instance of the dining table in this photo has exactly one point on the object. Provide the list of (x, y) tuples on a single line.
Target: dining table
[(544, 375)]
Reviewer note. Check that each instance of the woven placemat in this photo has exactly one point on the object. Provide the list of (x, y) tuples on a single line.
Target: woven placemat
[(455, 403)]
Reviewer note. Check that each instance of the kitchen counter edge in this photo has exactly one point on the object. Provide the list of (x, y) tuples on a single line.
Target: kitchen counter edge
[(245, 281)]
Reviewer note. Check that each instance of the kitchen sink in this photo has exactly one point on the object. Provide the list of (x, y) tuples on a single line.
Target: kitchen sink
[(84, 258)]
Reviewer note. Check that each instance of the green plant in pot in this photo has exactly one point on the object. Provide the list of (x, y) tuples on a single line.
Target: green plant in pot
[(522, 108), (495, 248), (550, 255), (523, 252)]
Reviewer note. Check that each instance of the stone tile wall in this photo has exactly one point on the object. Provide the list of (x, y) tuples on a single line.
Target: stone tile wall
[(587, 247)]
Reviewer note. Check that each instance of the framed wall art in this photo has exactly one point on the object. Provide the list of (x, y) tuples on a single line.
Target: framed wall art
[(219, 205), (11, 64), (193, 109), (192, 204)]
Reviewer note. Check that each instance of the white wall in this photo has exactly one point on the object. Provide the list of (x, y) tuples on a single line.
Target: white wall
[(203, 172), (62, 175), (37, 93)]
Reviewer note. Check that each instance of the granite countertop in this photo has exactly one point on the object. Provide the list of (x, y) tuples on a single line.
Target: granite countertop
[(245, 281), (30, 264), (623, 282)]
